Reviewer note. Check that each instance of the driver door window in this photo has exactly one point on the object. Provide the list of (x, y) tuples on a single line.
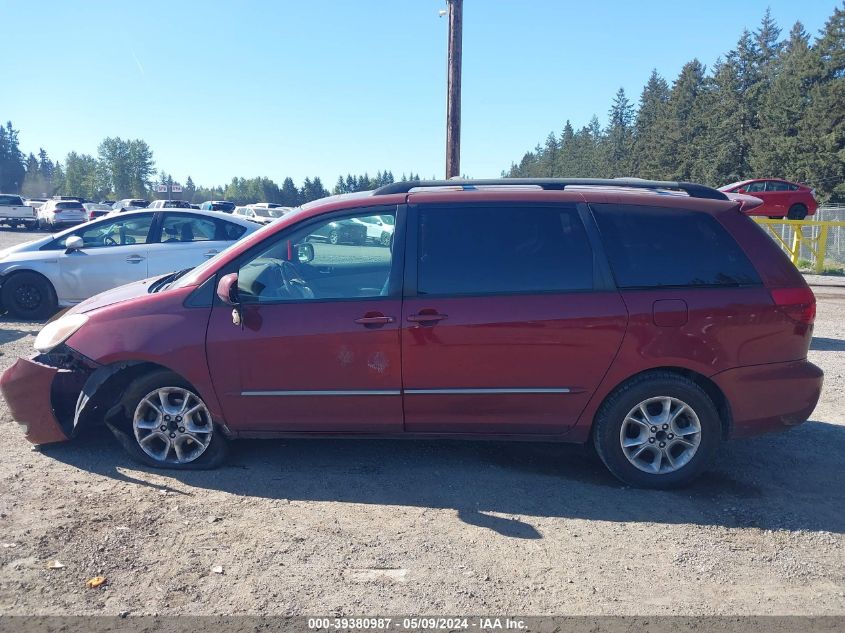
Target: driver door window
[(120, 232), (329, 260)]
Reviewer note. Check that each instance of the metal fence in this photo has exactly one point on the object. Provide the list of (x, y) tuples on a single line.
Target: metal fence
[(817, 244)]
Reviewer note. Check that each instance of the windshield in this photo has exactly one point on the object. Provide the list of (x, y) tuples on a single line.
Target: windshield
[(267, 213)]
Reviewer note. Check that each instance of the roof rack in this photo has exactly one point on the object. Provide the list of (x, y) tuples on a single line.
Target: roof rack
[(692, 189)]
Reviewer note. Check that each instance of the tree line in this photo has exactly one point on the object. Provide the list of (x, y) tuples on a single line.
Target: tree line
[(771, 107), (125, 168)]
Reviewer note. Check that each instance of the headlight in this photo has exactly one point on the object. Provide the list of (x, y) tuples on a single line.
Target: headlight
[(58, 331)]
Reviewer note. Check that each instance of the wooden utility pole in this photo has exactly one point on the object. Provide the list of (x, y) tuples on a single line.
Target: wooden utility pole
[(453, 97)]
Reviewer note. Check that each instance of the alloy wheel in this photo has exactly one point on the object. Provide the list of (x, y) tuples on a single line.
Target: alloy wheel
[(172, 425), (660, 435)]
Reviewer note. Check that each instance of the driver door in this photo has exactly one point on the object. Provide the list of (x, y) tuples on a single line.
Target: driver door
[(317, 350), (114, 253)]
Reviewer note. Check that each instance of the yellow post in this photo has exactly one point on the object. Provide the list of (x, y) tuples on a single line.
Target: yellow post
[(821, 248), (795, 251)]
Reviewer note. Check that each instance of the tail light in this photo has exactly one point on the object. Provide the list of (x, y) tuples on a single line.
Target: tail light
[(799, 304)]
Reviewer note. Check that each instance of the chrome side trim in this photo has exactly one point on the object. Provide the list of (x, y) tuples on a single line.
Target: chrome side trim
[(485, 391), (363, 392), (415, 392)]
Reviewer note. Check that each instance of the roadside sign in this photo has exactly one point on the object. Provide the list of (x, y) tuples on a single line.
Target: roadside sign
[(176, 188), (161, 188)]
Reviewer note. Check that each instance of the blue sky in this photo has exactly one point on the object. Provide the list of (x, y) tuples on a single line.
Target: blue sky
[(324, 87)]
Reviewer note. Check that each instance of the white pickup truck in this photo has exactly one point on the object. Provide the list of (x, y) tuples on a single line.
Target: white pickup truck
[(13, 212)]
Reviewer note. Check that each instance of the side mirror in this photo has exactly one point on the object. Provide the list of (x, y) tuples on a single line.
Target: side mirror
[(305, 253), (742, 190), (73, 243), (227, 289)]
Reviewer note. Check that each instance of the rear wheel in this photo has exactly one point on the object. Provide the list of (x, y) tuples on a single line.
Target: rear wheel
[(660, 430), (386, 238), (797, 212), (334, 237), (167, 425), (28, 295)]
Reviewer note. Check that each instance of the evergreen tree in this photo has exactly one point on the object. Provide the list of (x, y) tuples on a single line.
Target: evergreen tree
[(779, 148), (822, 127), (649, 152), (619, 135), (290, 194)]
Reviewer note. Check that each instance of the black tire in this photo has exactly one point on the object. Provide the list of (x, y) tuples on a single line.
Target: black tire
[(28, 295), (334, 237), (797, 212), (212, 456), (42, 224), (608, 429), (386, 238)]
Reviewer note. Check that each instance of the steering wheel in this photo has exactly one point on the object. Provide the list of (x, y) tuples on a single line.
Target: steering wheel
[(108, 240), (295, 286)]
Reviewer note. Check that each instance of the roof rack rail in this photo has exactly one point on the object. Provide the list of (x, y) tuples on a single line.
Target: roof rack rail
[(692, 189)]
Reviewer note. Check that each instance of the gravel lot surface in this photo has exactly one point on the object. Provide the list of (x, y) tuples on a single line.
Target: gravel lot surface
[(378, 527)]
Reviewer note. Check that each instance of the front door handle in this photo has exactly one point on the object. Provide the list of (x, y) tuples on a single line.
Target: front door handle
[(427, 317), (374, 319), (135, 259)]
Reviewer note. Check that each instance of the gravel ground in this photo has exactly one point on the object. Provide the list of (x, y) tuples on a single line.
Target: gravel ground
[(377, 527)]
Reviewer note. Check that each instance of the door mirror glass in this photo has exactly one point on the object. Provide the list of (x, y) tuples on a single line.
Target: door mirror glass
[(742, 190), (227, 289), (73, 243), (305, 253)]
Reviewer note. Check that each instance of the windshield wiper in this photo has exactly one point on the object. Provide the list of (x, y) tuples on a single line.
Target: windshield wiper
[(164, 282)]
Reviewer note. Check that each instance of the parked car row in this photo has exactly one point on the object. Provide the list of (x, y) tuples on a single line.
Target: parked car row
[(651, 326)]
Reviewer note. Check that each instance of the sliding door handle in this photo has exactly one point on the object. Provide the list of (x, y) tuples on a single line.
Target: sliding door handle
[(425, 317)]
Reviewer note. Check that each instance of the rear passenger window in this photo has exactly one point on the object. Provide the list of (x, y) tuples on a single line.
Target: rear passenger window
[(494, 250), (653, 246)]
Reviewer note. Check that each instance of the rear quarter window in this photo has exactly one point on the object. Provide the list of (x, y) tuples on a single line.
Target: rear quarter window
[(651, 247), (230, 231)]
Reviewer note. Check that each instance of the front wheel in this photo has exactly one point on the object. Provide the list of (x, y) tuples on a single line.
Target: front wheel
[(167, 425), (660, 430), (28, 295), (334, 237)]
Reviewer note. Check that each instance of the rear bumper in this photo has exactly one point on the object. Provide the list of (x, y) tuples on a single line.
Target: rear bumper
[(26, 387), (773, 397)]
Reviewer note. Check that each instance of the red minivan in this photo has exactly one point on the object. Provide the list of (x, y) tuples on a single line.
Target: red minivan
[(652, 319)]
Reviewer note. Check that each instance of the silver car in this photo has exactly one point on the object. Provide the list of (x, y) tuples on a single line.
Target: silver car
[(38, 277)]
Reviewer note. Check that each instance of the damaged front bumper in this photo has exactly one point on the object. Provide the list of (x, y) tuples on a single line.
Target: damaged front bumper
[(43, 393)]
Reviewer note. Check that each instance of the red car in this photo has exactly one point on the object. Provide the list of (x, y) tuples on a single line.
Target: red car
[(654, 326), (781, 198)]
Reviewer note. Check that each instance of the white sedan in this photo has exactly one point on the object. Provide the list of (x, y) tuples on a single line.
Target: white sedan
[(379, 228), (38, 277)]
